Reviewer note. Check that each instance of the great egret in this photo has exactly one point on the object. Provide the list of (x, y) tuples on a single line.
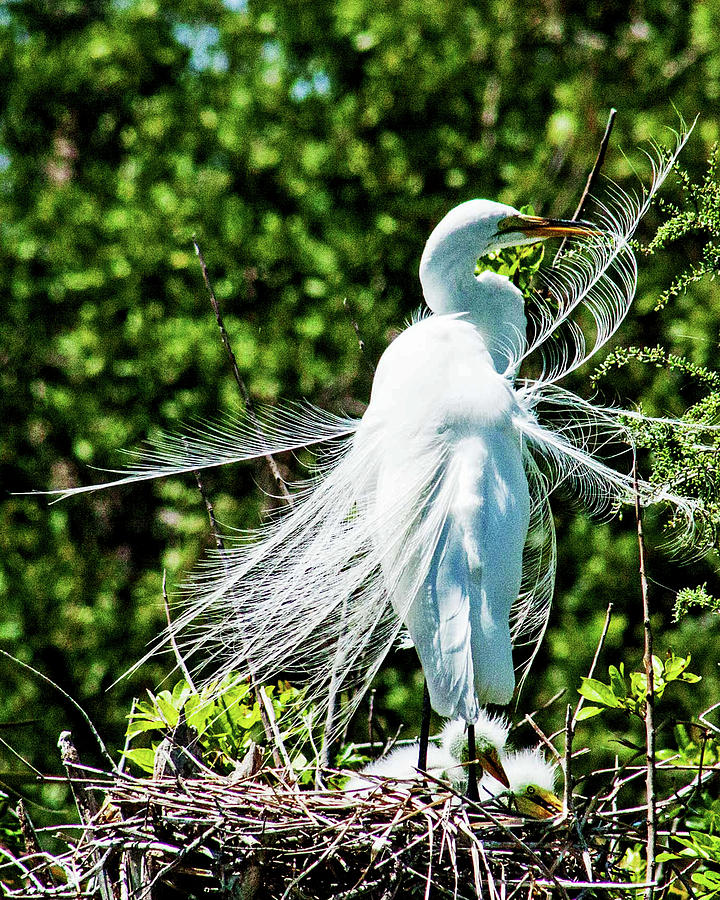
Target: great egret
[(491, 733), (431, 512), (526, 776), (401, 764)]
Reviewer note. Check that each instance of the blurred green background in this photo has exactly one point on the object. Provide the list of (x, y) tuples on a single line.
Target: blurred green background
[(311, 147)]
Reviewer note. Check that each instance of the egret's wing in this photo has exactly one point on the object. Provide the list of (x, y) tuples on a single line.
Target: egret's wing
[(230, 440), (458, 619), (591, 287)]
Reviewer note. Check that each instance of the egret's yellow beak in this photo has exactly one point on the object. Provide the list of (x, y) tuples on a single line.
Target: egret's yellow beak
[(540, 227), (490, 762), (537, 803)]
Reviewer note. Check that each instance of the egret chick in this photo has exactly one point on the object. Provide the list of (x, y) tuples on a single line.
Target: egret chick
[(531, 784), (401, 764), (491, 734)]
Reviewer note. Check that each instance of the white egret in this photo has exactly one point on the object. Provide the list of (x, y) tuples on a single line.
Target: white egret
[(491, 734), (526, 776), (430, 512), (448, 758)]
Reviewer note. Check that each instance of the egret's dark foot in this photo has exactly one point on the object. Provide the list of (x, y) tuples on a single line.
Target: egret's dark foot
[(424, 729), (472, 791)]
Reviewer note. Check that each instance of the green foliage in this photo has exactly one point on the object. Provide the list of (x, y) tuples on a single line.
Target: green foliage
[(689, 815), (519, 264), (311, 148), (699, 211), (225, 719), (698, 597), (630, 692)]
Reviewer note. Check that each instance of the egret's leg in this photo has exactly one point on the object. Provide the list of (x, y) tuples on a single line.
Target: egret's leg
[(472, 792), (424, 728)]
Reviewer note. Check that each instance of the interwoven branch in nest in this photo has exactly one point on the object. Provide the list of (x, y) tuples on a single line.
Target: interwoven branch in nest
[(262, 838)]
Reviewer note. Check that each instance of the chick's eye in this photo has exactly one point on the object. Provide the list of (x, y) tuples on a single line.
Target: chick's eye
[(530, 791)]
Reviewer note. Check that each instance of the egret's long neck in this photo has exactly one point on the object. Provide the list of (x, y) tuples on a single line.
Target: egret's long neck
[(490, 302), (446, 272)]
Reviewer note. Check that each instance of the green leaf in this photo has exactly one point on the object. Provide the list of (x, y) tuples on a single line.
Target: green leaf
[(143, 757), (598, 692), (617, 682), (587, 712), (666, 856)]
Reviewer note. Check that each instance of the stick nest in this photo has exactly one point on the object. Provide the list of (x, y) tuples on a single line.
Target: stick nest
[(264, 838)]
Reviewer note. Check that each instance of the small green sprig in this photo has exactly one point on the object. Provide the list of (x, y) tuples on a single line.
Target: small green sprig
[(697, 597), (630, 692), (700, 213)]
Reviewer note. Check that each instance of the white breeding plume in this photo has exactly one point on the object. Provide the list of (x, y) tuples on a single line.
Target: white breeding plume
[(431, 512)]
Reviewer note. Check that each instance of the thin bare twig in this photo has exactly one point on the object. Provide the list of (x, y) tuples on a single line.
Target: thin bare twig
[(598, 651), (567, 761), (591, 179), (247, 399), (88, 721), (217, 537), (650, 697)]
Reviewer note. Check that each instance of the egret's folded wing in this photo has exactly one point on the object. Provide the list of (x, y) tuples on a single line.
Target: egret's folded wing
[(230, 440)]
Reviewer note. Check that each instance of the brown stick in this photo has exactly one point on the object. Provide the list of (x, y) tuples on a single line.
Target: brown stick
[(217, 537), (567, 761), (247, 399), (591, 179), (650, 698)]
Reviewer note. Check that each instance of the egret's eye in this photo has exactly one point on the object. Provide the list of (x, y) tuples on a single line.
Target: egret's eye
[(530, 791)]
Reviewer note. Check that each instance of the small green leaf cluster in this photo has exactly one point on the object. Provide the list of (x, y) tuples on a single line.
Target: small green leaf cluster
[(702, 846), (683, 458), (630, 692), (224, 719), (699, 597), (519, 264)]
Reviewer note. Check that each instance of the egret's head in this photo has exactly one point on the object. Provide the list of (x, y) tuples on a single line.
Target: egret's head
[(538, 803), (472, 230)]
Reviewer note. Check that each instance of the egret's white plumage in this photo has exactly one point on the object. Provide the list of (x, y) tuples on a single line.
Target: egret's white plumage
[(524, 768), (401, 764), (431, 512), (490, 731)]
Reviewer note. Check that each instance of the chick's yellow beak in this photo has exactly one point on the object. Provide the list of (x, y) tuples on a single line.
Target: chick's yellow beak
[(540, 227), (537, 803)]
